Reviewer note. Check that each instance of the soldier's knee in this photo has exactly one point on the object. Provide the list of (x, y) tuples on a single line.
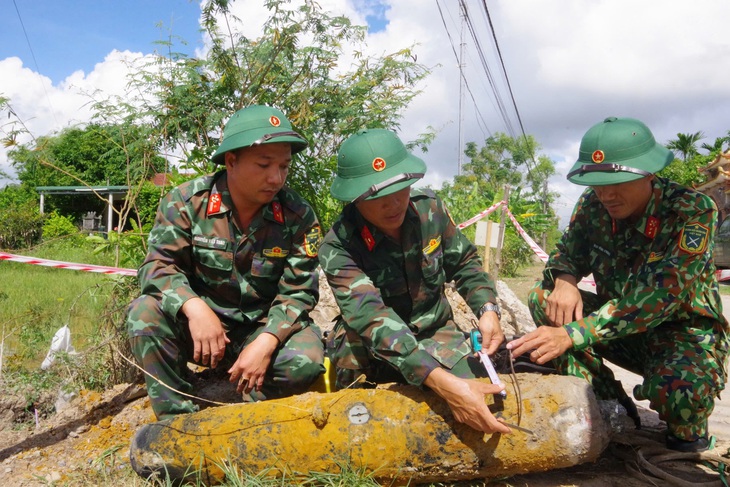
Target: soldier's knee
[(310, 372), (677, 401), (143, 315)]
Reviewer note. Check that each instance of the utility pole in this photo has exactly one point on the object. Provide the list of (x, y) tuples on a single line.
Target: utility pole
[(462, 9)]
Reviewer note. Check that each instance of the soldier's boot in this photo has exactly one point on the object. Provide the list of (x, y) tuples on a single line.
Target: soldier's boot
[(696, 446)]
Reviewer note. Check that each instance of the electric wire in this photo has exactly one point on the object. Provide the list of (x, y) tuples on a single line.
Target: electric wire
[(487, 70), (507, 81), (35, 61), (480, 118)]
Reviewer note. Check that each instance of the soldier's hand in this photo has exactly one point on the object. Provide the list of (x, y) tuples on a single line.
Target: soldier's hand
[(253, 362), (466, 400), (543, 344), (564, 304), (209, 336), (492, 334)]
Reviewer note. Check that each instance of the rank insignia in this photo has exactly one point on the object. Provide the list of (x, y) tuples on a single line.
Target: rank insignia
[(598, 156), (312, 240), (276, 252), (652, 225), (367, 237), (278, 214), (214, 203), (433, 244), (693, 238)]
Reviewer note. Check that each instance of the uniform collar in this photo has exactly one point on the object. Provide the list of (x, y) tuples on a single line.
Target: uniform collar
[(219, 200), (369, 233)]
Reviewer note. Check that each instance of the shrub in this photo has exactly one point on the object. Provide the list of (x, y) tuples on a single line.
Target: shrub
[(58, 226), (20, 226)]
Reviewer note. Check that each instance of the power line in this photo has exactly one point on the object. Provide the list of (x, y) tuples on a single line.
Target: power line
[(35, 62), (487, 70), (506, 77), (490, 77), (480, 117)]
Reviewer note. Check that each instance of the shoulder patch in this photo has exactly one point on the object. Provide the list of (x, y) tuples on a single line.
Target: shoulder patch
[(693, 238), (312, 239)]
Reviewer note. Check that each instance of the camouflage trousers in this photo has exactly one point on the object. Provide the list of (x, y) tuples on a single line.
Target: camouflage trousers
[(163, 347), (681, 377), (352, 358)]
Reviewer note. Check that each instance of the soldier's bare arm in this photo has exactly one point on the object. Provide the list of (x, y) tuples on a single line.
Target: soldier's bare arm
[(564, 304), (466, 400), (206, 330)]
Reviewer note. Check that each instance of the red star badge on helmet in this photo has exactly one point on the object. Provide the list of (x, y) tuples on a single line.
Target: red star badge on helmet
[(378, 164), (598, 156), (274, 120)]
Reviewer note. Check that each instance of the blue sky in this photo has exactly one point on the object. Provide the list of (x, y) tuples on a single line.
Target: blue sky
[(68, 35)]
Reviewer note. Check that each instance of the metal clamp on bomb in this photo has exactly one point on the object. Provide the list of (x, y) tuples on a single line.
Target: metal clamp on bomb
[(476, 346)]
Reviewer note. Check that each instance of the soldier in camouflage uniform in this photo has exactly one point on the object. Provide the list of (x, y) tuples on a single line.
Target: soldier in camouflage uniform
[(387, 259), (656, 311), (230, 277)]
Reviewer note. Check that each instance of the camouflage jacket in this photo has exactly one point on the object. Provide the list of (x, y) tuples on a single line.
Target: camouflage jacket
[(197, 249), (392, 294), (658, 270)]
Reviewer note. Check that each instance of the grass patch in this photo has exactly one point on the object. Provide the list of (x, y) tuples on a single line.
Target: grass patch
[(36, 301)]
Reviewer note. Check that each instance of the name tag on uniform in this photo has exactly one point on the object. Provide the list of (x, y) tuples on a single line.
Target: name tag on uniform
[(210, 242), (602, 250)]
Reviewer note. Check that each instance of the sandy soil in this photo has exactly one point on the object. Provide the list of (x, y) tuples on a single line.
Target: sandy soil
[(86, 443)]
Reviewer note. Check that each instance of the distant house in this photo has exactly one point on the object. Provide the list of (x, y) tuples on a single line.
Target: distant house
[(161, 179), (113, 196), (717, 186)]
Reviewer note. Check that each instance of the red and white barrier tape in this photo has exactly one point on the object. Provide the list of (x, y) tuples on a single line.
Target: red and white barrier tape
[(521, 231), (721, 275), (535, 248), (67, 265), (480, 215)]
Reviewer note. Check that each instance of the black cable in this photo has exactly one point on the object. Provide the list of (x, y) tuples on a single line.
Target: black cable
[(35, 62)]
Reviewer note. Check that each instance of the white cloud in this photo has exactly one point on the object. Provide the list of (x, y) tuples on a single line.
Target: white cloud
[(571, 63)]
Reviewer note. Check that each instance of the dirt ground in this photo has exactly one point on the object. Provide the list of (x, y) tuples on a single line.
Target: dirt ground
[(86, 442)]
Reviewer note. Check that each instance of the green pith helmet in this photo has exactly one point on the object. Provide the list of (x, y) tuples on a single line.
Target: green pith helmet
[(374, 163), (618, 150), (257, 124)]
